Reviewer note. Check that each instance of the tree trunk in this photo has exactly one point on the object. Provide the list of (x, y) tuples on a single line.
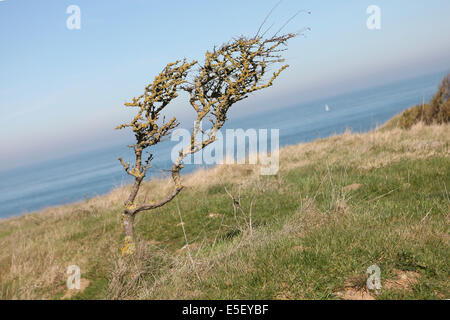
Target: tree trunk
[(128, 225), (128, 216)]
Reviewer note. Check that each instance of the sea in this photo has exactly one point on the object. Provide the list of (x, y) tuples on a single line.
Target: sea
[(75, 178)]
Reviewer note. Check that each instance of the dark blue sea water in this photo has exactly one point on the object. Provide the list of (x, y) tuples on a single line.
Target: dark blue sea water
[(75, 178)]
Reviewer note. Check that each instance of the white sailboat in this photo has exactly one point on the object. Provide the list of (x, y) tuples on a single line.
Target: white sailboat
[(327, 108)]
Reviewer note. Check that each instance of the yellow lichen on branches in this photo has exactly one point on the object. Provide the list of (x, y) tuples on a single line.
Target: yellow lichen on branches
[(229, 74), (157, 95), (129, 247)]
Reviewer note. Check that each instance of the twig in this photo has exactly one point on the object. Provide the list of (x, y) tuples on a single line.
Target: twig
[(234, 204), (423, 219), (289, 20), (383, 195), (267, 17), (237, 204), (268, 29), (250, 216)]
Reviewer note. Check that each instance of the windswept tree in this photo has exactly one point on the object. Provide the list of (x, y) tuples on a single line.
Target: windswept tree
[(228, 75)]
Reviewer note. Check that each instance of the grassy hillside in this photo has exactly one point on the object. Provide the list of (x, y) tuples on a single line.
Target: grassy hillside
[(337, 206)]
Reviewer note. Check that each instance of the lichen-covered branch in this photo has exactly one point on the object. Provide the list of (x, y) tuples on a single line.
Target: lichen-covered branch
[(228, 75), (149, 130)]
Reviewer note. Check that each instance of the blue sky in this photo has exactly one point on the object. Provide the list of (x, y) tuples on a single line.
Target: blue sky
[(62, 91)]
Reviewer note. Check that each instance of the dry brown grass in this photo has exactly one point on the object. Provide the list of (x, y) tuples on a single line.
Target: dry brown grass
[(374, 149), (403, 280), (37, 248), (40, 246)]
